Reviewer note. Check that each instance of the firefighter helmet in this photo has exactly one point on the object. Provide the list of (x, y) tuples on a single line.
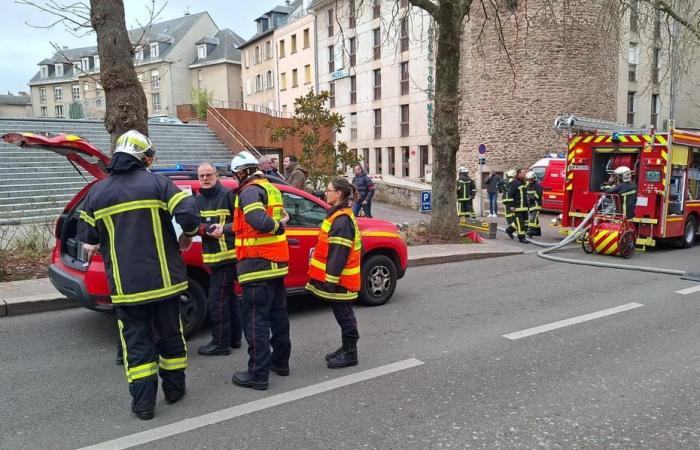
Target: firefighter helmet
[(510, 174), (623, 173), (462, 169), (530, 175), (244, 165), (135, 144)]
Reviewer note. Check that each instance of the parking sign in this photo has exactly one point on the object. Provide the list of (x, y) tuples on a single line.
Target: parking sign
[(425, 204)]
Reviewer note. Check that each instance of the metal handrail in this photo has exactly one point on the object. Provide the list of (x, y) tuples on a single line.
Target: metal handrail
[(233, 132)]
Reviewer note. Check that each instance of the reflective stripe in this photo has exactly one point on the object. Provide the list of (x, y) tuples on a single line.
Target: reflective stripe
[(340, 241), (128, 206), (215, 213), (143, 371), (274, 272), (85, 217), (260, 240), (176, 199), (152, 294), (182, 333), (253, 206), (318, 264), (325, 226), (331, 296), (209, 258), (332, 279), (172, 363), (109, 225), (160, 248), (125, 353)]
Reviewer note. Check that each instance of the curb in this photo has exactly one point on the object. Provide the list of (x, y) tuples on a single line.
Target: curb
[(448, 257)]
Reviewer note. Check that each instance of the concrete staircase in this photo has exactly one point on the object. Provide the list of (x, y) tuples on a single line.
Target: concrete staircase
[(35, 185)]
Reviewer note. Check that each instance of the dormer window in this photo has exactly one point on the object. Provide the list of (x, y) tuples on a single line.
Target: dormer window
[(76, 68), (154, 50), (86, 64), (96, 62), (44, 71), (202, 51), (59, 70), (139, 53)]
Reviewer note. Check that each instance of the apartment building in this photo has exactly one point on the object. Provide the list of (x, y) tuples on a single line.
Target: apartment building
[(375, 58), (259, 72), (296, 59), (67, 84), (217, 68)]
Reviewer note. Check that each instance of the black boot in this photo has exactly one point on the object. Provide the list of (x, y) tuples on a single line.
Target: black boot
[(347, 356), (213, 349), (334, 353), (509, 232)]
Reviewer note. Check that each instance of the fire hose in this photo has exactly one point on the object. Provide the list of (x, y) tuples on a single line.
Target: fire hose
[(550, 247)]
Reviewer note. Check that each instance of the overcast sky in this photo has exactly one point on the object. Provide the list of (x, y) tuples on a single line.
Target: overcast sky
[(22, 46)]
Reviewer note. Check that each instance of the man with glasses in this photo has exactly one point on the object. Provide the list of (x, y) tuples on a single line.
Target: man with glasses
[(216, 207)]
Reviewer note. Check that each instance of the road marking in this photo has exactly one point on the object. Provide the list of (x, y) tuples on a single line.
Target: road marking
[(572, 321), (193, 423), (689, 290)]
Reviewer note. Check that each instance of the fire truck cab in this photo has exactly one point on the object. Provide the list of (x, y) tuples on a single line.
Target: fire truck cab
[(665, 168)]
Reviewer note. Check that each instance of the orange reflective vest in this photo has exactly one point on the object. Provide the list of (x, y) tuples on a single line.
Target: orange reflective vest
[(251, 243), (350, 276)]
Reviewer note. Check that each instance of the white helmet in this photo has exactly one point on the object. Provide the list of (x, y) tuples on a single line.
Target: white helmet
[(135, 144), (462, 169), (511, 174), (530, 175), (244, 160), (624, 173)]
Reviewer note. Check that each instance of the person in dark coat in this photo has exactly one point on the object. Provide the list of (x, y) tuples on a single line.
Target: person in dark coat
[(517, 191), (492, 184), (365, 191)]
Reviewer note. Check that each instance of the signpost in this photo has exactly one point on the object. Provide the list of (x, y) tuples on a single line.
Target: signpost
[(425, 201), (482, 161)]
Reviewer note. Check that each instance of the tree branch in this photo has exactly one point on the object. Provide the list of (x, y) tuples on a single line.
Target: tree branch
[(694, 28), (426, 5)]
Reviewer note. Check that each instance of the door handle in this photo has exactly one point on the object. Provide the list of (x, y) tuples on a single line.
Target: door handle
[(293, 241)]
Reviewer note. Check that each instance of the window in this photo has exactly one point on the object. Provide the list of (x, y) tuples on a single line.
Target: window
[(404, 78), (405, 157), (268, 50), (630, 108), (249, 87), (632, 73), (351, 14), (257, 55), (306, 38), (86, 87), (59, 70), (634, 16), (307, 74), (353, 90), (331, 59), (352, 51), (44, 111), (295, 78), (378, 159), (44, 71), (59, 111), (155, 101), (155, 79), (302, 212), (42, 95), (154, 50), (331, 94), (377, 42), (633, 60), (258, 83), (96, 62), (376, 9), (392, 160), (377, 84), (139, 54), (77, 67), (246, 59), (281, 48), (404, 120), (76, 92), (294, 44), (329, 16), (423, 152), (58, 94), (98, 102), (656, 56), (353, 126), (85, 64), (377, 123), (655, 106), (270, 84), (404, 35), (284, 109), (283, 81), (365, 158)]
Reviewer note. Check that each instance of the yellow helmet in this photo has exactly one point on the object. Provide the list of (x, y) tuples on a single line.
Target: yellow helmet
[(135, 144)]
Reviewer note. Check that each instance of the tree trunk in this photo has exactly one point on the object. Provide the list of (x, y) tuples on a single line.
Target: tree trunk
[(125, 107), (445, 139)]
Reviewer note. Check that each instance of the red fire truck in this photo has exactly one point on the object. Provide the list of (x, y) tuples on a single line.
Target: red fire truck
[(665, 167)]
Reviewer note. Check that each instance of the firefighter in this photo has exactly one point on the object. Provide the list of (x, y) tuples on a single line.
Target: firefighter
[(466, 191), (534, 201), (261, 248), (507, 201), (626, 189), (334, 269), (129, 214), (215, 203), (517, 191)]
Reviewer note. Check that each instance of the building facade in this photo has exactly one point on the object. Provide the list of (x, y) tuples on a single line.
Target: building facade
[(295, 44), (217, 68), (374, 57), (19, 105)]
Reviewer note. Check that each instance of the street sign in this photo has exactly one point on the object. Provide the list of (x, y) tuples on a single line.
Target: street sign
[(425, 203), (482, 149), (482, 160)]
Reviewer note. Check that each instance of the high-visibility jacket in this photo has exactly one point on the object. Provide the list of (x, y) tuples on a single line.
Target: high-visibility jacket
[(517, 191), (466, 189), (216, 206), (334, 268), (534, 195), (130, 214), (261, 244)]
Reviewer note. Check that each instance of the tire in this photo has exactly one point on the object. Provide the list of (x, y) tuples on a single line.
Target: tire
[(689, 231), (586, 243), (193, 308), (379, 280), (627, 244)]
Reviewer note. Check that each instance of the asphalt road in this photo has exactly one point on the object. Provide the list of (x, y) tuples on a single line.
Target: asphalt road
[(626, 380)]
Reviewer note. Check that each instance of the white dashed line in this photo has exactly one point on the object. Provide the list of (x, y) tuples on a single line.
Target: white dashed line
[(689, 290)]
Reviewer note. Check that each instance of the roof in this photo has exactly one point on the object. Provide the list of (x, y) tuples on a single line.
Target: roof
[(226, 49), (285, 10), (21, 100)]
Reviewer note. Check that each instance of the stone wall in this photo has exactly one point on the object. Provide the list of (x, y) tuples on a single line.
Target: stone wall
[(562, 62), (399, 193)]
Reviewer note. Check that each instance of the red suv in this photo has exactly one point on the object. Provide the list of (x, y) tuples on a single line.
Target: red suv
[(384, 255)]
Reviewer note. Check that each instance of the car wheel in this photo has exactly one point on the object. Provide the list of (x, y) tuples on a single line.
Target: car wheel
[(689, 232), (378, 280), (193, 308)]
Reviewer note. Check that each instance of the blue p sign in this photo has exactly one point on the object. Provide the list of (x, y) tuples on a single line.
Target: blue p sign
[(482, 149)]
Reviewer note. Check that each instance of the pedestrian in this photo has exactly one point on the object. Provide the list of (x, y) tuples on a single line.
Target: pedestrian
[(534, 201), (128, 215), (294, 174), (507, 201), (268, 168), (365, 191), (334, 269), (466, 191), (517, 191), (215, 203), (261, 247), (492, 183)]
